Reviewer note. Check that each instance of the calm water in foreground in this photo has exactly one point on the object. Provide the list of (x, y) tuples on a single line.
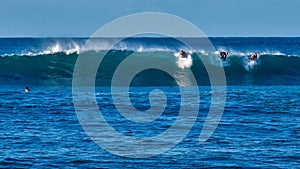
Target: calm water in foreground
[(260, 127)]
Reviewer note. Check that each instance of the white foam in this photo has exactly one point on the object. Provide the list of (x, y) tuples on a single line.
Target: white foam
[(203, 52), (183, 62), (275, 53), (250, 64), (53, 49), (57, 48), (249, 53), (140, 49)]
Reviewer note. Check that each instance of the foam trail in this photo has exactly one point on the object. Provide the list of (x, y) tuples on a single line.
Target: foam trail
[(183, 62), (249, 65)]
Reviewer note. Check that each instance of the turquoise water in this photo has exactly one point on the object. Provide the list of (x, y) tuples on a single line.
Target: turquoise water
[(50, 61)]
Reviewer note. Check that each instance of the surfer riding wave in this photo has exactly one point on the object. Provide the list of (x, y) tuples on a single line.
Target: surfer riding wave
[(183, 54), (223, 55)]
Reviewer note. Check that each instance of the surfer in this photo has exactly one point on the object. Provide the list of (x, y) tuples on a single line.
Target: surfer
[(183, 54), (223, 55), (253, 57), (27, 89)]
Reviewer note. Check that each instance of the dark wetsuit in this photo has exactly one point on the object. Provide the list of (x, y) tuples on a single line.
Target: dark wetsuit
[(183, 54), (223, 55)]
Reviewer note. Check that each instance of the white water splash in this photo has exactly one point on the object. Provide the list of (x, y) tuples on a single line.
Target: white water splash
[(251, 64), (183, 62)]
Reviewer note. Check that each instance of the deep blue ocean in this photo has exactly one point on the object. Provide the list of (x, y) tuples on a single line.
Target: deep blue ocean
[(259, 127)]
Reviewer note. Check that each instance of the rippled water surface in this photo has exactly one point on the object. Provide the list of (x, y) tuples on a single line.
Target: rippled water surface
[(260, 127)]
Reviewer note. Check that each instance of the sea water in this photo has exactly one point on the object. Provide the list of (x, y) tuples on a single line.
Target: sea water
[(259, 126)]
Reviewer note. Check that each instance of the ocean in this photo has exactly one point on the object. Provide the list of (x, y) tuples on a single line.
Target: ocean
[(44, 128)]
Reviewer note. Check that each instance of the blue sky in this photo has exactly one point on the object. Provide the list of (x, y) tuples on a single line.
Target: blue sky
[(81, 18)]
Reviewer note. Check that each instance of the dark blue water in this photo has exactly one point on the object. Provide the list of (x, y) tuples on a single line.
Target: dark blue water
[(259, 128)]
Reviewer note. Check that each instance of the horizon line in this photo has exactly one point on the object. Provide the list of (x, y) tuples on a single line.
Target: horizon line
[(149, 37)]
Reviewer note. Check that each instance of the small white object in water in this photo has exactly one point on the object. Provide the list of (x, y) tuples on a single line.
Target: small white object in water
[(27, 89)]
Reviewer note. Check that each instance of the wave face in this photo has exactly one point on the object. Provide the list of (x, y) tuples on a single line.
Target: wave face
[(50, 61)]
